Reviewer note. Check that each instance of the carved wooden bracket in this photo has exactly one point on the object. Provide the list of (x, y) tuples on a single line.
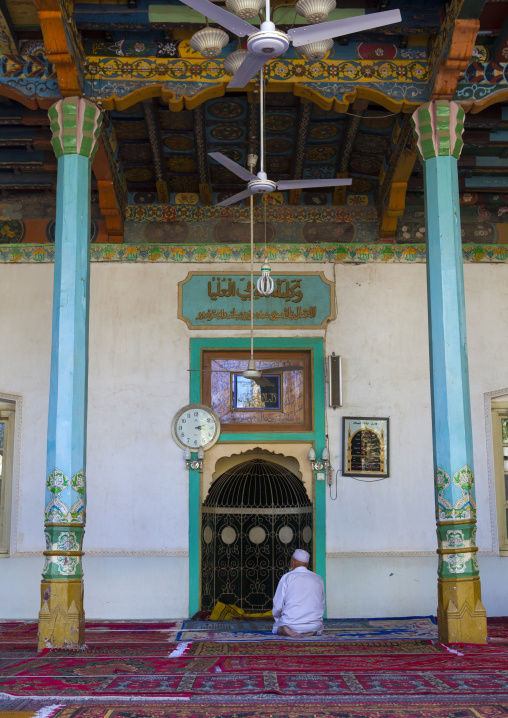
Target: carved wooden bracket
[(459, 57)]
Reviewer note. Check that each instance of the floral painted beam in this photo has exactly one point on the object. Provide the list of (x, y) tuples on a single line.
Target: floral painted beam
[(187, 81)]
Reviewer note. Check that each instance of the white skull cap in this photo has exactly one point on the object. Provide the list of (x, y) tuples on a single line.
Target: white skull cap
[(301, 555)]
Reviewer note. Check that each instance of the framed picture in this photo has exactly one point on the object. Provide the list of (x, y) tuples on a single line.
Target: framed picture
[(247, 395), (243, 405), (365, 447)]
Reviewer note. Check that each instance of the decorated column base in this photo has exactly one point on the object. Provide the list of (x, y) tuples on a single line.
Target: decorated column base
[(461, 616), (61, 618)]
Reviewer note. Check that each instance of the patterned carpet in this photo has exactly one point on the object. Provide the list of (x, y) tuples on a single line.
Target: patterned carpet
[(250, 710), (330, 683), (379, 668)]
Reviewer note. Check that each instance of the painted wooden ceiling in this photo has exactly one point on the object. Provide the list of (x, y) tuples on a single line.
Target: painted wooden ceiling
[(346, 116)]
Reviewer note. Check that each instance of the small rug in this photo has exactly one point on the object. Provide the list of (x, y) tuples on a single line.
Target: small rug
[(252, 709), (416, 627), (230, 625), (297, 648)]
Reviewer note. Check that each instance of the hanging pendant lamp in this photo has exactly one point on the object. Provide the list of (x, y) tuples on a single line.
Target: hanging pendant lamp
[(316, 50), (209, 41), (315, 11)]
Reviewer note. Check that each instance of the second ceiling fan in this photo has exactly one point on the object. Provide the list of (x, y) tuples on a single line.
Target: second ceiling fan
[(260, 184), (267, 42)]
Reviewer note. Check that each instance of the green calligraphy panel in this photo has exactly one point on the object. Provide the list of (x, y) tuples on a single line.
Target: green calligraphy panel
[(222, 301)]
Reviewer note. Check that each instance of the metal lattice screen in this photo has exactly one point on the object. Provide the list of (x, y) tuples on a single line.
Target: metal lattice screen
[(254, 517)]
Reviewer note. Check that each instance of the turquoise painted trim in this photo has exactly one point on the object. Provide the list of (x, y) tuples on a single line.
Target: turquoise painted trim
[(67, 415), (319, 486), (317, 436), (479, 182), (194, 545)]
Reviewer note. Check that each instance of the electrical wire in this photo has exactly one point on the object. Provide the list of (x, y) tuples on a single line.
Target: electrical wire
[(367, 481), (252, 276), (371, 117)]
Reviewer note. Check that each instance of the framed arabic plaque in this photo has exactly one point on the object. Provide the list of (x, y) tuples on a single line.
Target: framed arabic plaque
[(248, 395), (222, 301), (283, 404), (365, 447)]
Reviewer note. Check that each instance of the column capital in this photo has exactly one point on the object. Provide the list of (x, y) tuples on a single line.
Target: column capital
[(437, 129), (75, 124)]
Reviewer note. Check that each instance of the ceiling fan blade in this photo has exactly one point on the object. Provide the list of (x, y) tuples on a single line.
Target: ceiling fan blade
[(302, 184), (263, 381), (236, 198), (223, 17), (347, 26), (247, 70), (233, 166), (277, 369)]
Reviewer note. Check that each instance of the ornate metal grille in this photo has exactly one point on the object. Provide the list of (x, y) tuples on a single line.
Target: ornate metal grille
[(255, 515)]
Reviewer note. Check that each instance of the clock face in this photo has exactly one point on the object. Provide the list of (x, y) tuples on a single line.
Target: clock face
[(195, 426)]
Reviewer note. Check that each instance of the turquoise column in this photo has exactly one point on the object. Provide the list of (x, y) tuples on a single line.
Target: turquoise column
[(461, 616), (75, 124)]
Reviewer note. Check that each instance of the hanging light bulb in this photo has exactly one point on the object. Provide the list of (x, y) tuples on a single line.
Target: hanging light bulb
[(265, 282)]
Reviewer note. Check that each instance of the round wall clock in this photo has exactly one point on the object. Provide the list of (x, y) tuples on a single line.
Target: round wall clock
[(195, 426)]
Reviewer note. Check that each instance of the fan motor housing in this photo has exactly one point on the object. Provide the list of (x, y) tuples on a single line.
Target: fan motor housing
[(261, 186), (268, 43)]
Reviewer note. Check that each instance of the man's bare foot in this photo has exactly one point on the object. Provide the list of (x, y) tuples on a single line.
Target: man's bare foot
[(286, 631)]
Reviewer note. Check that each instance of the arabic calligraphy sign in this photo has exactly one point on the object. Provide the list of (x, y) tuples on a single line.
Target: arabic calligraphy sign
[(222, 301)]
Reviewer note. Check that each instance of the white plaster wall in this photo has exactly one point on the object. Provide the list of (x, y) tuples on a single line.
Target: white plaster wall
[(380, 536), (381, 334)]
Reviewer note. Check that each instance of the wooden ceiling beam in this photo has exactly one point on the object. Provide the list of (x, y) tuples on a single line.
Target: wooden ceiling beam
[(353, 123), (112, 195), (391, 199), (301, 147), (205, 190), (499, 52), (8, 37), (159, 165), (56, 26), (457, 59)]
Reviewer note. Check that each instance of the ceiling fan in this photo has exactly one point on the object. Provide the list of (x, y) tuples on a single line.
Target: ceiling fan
[(252, 372), (260, 184), (267, 42)]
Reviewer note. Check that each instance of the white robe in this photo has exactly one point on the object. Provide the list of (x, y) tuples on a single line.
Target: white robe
[(299, 601)]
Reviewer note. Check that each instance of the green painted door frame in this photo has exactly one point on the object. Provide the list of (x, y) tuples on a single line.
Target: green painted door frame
[(317, 437)]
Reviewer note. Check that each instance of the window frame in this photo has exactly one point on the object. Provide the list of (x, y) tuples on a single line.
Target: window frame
[(220, 354), (8, 418), (500, 412)]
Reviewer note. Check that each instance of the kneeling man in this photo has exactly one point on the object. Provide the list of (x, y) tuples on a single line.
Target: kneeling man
[(299, 602)]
